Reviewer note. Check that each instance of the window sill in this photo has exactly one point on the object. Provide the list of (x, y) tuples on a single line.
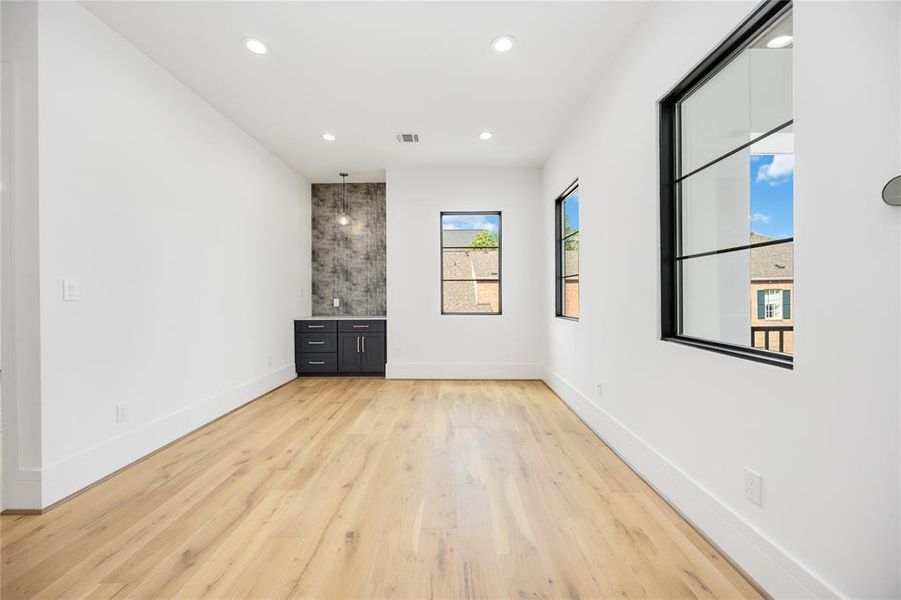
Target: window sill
[(762, 356), (565, 318)]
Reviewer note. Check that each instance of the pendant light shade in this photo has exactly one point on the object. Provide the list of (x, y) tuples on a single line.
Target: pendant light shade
[(343, 218)]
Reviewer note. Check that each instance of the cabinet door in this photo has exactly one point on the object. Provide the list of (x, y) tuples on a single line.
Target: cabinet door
[(373, 352), (350, 354)]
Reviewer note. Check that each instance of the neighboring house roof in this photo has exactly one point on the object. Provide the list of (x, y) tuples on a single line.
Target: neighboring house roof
[(463, 296), (468, 264), (772, 262), (459, 238), (572, 262), (471, 264)]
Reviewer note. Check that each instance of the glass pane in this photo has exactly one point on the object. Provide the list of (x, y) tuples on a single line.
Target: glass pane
[(738, 297), (470, 231), (748, 97), (571, 213), (571, 297), (716, 298), (772, 175), (571, 255), (471, 264), (749, 194), (471, 296)]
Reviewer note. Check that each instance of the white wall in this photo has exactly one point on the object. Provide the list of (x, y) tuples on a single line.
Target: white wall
[(190, 243), (421, 341), (824, 436)]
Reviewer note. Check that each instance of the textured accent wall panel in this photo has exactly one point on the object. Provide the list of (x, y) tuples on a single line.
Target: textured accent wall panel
[(349, 260)]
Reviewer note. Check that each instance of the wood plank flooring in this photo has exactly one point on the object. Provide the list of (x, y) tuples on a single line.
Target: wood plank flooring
[(367, 488)]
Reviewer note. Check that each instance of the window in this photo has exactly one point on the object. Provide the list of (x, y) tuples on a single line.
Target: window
[(772, 305), (567, 252), (727, 195), (471, 263)]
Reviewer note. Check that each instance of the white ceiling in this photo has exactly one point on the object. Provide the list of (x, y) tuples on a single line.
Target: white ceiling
[(365, 70)]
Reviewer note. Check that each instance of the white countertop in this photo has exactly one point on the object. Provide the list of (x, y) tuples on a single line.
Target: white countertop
[(342, 318)]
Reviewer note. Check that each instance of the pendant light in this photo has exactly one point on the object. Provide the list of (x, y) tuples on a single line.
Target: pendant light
[(343, 218)]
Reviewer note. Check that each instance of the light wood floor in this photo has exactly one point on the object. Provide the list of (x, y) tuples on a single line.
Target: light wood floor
[(359, 488)]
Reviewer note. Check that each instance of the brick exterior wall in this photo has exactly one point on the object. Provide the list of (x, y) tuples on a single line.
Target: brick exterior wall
[(571, 298), (487, 294), (788, 337)]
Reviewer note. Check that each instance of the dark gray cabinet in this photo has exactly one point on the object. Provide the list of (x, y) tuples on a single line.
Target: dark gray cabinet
[(373, 353), (345, 346), (316, 363), (320, 343), (350, 360)]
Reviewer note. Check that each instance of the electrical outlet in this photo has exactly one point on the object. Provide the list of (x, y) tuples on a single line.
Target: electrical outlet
[(336, 302), (121, 413), (70, 290), (269, 361), (753, 483), (600, 389)]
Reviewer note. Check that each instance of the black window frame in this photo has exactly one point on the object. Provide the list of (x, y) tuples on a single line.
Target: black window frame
[(500, 260), (559, 239), (763, 16)]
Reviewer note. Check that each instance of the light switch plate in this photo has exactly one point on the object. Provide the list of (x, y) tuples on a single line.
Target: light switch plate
[(70, 290), (336, 302)]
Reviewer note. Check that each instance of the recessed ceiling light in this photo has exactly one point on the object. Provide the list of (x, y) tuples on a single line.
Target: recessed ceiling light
[(485, 135), (503, 43), (328, 137), (780, 41), (255, 46)]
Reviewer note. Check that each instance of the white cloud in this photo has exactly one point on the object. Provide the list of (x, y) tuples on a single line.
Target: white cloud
[(760, 218), (776, 172), (470, 222)]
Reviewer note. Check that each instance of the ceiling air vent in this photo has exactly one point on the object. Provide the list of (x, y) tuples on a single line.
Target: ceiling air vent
[(406, 138)]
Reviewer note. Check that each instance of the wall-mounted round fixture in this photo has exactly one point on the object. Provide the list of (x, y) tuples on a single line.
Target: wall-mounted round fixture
[(503, 43), (328, 137), (891, 193), (343, 217), (780, 41), (485, 135), (256, 46)]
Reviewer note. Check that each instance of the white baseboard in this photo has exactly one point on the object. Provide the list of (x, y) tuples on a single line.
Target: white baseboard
[(77, 471), (779, 573), (22, 489), (463, 371)]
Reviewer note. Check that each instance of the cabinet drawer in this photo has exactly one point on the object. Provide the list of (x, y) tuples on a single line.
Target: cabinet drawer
[(316, 363), (315, 326), (361, 326), (317, 342)]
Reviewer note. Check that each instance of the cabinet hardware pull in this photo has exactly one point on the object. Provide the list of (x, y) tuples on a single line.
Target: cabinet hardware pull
[(358, 344), (315, 326), (315, 362), (362, 326), (316, 343), (364, 343)]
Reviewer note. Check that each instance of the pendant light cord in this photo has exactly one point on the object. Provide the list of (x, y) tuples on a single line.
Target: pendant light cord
[(344, 193)]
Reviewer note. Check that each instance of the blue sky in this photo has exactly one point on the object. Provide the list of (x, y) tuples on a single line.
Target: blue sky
[(572, 210), (772, 194), (486, 222)]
